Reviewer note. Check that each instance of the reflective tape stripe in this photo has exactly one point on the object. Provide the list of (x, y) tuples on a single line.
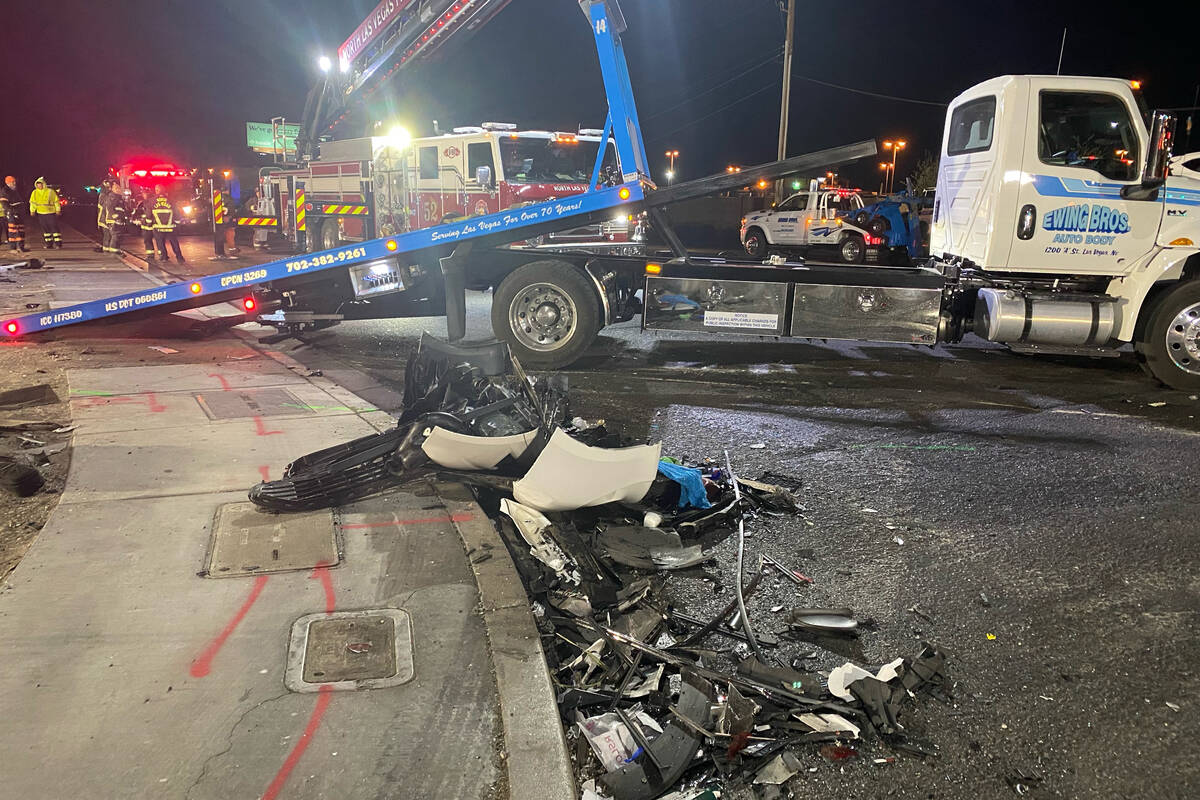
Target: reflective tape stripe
[(339, 209), (258, 221), (218, 208), (300, 210)]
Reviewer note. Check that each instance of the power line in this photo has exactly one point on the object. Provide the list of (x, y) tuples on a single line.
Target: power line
[(724, 83), (771, 85), (718, 111), (869, 93)]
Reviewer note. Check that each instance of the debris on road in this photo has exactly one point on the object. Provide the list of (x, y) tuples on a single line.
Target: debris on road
[(161, 349), (599, 526)]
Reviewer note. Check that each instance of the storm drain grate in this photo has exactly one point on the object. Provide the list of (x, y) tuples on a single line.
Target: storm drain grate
[(350, 650), (242, 403), (247, 540)]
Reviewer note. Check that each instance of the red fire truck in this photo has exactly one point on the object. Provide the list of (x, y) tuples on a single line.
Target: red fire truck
[(144, 174), (361, 189)]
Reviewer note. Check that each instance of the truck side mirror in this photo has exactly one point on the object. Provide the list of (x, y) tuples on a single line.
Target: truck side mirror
[(483, 176), (1158, 158)]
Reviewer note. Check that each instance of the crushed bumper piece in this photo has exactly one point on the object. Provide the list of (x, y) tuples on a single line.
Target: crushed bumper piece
[(569, 475), (460, 451)]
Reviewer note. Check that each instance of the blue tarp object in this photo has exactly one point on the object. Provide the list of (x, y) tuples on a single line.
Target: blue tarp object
[(691, 484)]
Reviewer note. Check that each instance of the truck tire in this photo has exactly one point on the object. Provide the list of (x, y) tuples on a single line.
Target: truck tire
[(329, 234), (548, 312), (1169, 344), (312, 236), (756, 244), (852, 249)]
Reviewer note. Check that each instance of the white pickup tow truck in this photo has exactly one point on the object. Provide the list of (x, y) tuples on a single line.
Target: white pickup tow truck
[(1061, 224), (810, 220)]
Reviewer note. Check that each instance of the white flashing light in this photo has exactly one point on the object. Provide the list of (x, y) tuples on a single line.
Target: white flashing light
[(324, 64), (343, 65), (399, 137), (499, 126)]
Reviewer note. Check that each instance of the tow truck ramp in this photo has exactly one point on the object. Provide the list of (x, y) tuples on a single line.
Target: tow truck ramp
[(383, 255)]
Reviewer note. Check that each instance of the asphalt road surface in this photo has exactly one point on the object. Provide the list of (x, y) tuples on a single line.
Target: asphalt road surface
[(1033, 516)]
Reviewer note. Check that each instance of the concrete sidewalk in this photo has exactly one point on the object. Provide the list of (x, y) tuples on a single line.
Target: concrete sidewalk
[(162, 638)]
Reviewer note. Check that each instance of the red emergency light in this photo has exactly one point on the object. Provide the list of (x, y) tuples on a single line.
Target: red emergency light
[(195, 288), (249, 304), (12, 327)]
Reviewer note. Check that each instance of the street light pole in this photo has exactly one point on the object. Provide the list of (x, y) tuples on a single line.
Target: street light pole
[(787, 92), (895, 147), (671, 154)]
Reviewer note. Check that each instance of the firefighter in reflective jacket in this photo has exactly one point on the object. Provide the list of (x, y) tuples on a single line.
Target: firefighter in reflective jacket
[(222, 209), (101, 225), (163, 211), (114, 215), (14, 206), (145, 221), (43, 202)]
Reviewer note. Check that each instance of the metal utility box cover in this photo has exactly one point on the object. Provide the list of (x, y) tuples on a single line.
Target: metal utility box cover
[(241, 403), (868, 313), (350, 650), (709, 305), (248, 541)]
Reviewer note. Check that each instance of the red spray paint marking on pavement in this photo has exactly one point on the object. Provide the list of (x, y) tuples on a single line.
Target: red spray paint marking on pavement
[(323, 697), (265, 471), (203, 665), (353, 526), (321, 572), (151, 400), (225, 387), (261, 429)]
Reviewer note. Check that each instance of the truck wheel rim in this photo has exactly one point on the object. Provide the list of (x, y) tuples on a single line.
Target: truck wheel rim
[(1183, 339), (543, 317), (850, 249)]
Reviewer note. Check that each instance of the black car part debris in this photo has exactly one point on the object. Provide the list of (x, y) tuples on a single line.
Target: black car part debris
[(653, 697)]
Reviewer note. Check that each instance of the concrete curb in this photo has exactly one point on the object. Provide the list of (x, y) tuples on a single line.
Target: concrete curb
[(538, 764)]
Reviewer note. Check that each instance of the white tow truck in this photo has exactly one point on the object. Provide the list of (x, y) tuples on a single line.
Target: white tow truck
[(1061, 224), (808, 221)]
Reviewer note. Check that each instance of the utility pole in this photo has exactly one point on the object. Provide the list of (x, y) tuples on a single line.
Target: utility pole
[(787, 91)]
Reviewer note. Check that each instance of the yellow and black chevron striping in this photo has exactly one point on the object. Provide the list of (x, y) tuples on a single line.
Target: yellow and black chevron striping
[(343, 210)]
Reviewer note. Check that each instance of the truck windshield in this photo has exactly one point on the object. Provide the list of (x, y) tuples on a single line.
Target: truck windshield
[(180, 192), (529, 160)]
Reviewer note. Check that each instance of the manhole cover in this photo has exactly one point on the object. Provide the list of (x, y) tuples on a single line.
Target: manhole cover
[(350, 650), (250, 403), (247, 541)]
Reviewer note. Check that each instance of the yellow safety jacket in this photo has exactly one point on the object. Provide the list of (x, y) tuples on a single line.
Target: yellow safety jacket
[(44, 201), (164, 214)]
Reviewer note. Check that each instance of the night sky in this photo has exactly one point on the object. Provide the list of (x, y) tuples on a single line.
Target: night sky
[(89, 84)]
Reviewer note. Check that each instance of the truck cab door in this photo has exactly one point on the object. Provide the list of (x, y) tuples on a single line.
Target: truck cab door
[(1083, 146), (787, 221), (821, 227)]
